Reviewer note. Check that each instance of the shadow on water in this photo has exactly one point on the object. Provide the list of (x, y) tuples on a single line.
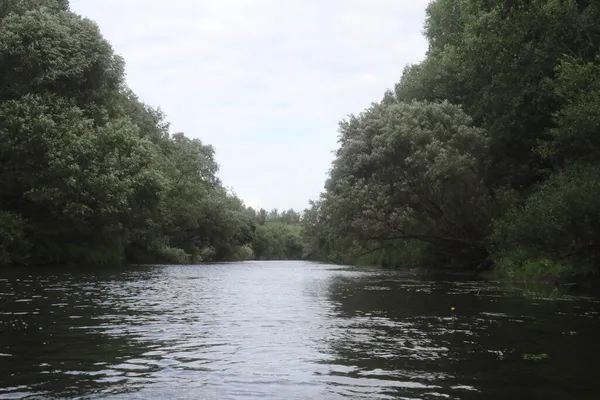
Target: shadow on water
[(400, 337), (62, 336), (288, 331)]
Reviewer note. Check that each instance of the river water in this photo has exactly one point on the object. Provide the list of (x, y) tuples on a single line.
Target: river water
[(289, 330)]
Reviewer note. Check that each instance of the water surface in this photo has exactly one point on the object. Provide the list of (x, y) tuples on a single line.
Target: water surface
[(288, 330)]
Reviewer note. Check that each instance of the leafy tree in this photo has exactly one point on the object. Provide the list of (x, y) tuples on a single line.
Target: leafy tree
[(278, 241), (318, 237), (557, 229), (89, 174), (59, 53), (262, 216), (498, 122), (19, 7), (577, 122), (13, 246), (564, 207), (497, 59), (411, 171)]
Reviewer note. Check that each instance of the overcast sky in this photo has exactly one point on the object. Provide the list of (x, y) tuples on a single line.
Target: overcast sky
[(264, 81)]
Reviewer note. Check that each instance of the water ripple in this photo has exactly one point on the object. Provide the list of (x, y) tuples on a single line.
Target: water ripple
[(284, 331)]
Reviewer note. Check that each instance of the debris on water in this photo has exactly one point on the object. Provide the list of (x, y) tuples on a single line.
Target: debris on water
[(535, 357)]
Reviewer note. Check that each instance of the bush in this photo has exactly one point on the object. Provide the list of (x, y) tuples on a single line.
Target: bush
[(13, 245), (173, 255), (242, 253), (557, 229)]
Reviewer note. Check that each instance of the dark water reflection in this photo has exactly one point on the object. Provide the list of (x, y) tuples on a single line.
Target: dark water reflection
[(287, 330)]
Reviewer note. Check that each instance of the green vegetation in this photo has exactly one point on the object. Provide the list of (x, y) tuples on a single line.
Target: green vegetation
[(277, 235), (484, 153), (91, 175)]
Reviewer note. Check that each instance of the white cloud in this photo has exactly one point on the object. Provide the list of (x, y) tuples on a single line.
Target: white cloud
[(264, 81)]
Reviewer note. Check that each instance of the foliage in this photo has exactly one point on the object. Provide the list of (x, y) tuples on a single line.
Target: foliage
[(410, 171), (487, 150), (557, 227), (498, 60), (575, 134), (277, 241), (13, 246), (89, 174)]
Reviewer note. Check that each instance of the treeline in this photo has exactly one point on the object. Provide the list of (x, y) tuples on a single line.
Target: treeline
[(89, 174), (277, 235), (484, 153)]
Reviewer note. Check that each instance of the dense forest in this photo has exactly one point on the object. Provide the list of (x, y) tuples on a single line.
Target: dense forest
[(89, 174), (485, 153)]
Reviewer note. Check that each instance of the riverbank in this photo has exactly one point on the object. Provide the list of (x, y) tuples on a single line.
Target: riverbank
[(584, 280)]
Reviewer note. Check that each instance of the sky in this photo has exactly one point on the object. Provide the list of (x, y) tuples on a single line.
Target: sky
[(265, 82)]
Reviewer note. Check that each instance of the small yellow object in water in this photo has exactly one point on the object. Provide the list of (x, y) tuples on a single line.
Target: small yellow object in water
[(452, 308)]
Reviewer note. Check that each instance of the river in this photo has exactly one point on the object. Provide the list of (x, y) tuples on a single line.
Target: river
[(289, 330)]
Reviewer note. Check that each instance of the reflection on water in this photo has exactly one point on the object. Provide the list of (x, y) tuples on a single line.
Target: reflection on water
[(286, 330)]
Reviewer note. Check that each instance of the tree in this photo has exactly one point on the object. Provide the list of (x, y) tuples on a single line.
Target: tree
[(577, 123), (58, 53), (489, 126), (278, 241), (20, 7), (411, 171), (497, 59), (89, 174), (556, 231)]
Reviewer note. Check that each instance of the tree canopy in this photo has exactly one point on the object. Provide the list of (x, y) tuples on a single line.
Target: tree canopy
[(491, 135), (89, 174)]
